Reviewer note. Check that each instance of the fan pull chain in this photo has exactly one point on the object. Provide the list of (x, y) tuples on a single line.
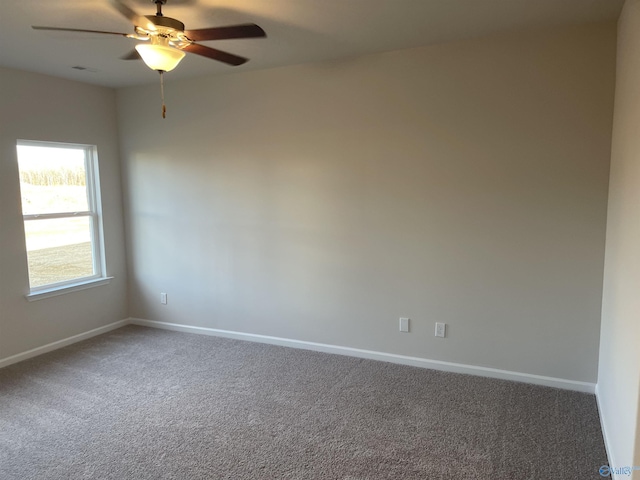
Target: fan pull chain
[(164, 108)]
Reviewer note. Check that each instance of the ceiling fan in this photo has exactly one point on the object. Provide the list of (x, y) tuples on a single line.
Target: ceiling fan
[(168, 39), (164, 39)]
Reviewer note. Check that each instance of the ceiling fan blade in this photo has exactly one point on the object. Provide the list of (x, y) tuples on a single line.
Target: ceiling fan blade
[(215, 54), (246, 30), (137, 20), (132, 55), (59, 29)]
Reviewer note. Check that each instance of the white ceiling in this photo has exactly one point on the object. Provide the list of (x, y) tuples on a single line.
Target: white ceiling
[(298, 31)]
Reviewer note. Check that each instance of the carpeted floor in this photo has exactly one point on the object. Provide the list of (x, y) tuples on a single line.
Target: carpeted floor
[(140, 403)]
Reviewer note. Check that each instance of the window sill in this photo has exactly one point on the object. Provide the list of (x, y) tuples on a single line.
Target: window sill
[(74, 287)]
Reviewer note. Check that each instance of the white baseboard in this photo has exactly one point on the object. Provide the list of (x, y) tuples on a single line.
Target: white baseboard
[(382, 356), (603, 427), (326, 348), (61, 343)]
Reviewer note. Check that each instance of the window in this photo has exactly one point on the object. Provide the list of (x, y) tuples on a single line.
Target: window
[(61, 210)]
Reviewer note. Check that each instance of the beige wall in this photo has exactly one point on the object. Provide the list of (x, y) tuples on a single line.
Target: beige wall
[(464, 183), (38, 107), (619, 370)]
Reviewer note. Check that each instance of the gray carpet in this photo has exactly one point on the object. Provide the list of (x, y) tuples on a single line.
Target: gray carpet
[(140, 403)]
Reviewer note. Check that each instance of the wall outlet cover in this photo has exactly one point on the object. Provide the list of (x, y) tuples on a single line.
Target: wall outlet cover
[(404, 325)]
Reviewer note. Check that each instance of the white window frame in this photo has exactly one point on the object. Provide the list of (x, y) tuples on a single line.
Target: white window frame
[(94, 213)]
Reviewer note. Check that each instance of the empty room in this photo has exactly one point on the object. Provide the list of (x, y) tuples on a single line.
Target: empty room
[(358, 239)]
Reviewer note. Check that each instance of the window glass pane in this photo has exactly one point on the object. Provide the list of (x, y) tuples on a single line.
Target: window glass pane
[(58, 250), (52, 179)]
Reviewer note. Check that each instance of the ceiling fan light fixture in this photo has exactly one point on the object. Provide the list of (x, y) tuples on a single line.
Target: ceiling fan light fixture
[(160, 57), (168, 40)]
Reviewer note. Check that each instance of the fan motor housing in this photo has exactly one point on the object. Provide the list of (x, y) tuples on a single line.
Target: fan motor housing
[(167, 22)]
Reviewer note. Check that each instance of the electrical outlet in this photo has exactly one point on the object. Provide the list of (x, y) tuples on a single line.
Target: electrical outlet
[(404, 325), (441, 329), (163, 298)]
